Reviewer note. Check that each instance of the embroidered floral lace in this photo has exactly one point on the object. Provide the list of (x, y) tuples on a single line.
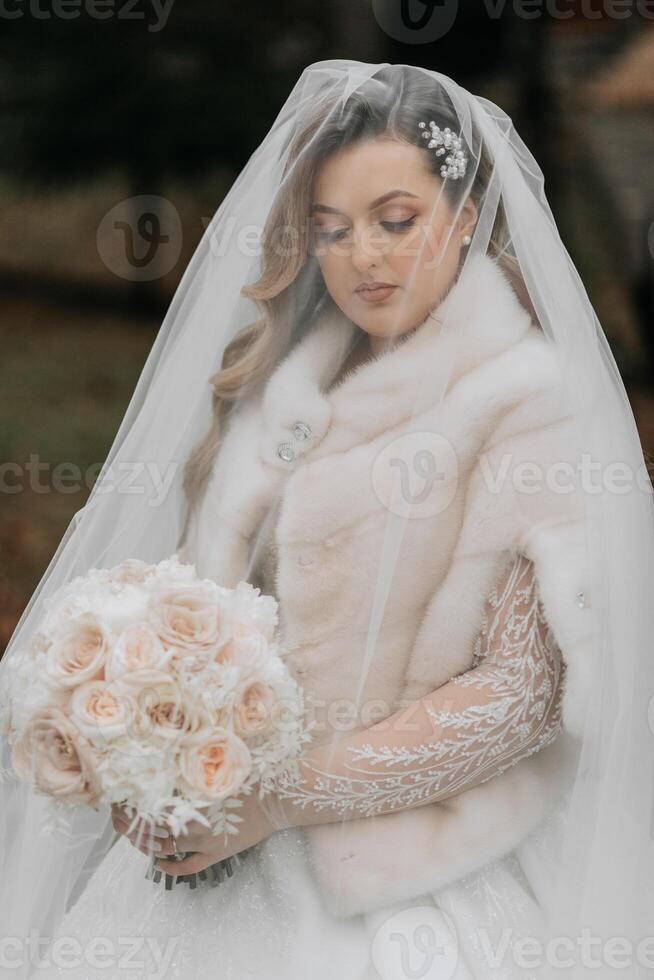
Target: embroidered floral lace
[(504, 708)]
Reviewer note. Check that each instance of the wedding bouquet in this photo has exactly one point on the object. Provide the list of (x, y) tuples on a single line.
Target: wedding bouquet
[(149, 687)]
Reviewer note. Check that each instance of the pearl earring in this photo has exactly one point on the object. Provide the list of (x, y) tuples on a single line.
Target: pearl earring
[(466, 240)]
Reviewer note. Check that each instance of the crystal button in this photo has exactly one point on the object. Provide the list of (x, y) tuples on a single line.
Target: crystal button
[(285, 451), (301, 430)]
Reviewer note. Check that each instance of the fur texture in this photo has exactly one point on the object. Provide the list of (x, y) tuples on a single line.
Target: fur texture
[(481, 388)]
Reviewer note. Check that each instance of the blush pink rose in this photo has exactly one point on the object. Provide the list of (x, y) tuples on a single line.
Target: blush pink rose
[(137, 648), (215, 765), (101, 712), (246, 644), (174, 717), (189, 618), (79, 653), (161, 709), (253, 707), (53, 756)]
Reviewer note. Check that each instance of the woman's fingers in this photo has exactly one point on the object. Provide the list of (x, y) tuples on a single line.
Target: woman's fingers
[(197, 862), (144, 833), (156, 841), (148, 844)]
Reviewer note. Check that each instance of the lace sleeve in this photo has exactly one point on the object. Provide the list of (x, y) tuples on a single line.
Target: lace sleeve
[(504, 708)]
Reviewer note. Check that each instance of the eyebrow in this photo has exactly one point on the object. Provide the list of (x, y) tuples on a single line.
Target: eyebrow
[(398, 192)]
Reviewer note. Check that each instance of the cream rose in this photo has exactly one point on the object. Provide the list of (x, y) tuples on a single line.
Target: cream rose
[(161, 708), (253, 708), (245, 645), (100, 711), (189, 618), (175, 717), (79, 653), (54, 757), (216, 765), (137, 648)]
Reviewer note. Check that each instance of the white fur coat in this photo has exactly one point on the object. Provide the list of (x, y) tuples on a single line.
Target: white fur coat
[(484, 392)]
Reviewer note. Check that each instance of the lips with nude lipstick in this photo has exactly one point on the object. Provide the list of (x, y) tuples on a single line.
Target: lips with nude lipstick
[(375, 292)]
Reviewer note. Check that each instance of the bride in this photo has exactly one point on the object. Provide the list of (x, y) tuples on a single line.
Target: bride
[(412, 444)]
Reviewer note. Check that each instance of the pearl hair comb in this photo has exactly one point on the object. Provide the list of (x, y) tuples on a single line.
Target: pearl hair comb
[(457, 160)]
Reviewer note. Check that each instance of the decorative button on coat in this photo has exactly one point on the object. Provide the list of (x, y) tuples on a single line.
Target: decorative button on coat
[(285, 451), (301, 430)]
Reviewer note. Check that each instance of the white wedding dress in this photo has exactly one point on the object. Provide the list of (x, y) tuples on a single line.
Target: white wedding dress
[(268, 921)]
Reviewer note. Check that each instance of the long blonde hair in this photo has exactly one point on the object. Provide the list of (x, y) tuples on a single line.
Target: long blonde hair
[(290, 289)]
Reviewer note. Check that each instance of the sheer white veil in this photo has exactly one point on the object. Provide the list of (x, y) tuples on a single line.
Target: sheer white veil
[(598, 857)]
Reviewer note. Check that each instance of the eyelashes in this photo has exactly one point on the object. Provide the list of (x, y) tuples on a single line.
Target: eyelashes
[(396, 227)]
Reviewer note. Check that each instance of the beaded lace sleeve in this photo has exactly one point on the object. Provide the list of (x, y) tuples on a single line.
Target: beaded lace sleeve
[(504, 708)]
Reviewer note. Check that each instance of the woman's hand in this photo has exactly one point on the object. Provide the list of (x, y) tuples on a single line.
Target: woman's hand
[(209, 848)]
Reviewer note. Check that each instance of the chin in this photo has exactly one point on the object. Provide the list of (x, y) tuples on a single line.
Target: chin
[(385, 324)]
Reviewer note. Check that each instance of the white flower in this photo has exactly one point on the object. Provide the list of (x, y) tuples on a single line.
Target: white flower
[(262, 611)]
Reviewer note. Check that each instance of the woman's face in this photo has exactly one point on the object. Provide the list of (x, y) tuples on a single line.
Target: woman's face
[(385, 236)]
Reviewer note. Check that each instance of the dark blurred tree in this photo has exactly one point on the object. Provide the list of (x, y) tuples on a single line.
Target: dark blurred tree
[(82, 95), (149, 97)]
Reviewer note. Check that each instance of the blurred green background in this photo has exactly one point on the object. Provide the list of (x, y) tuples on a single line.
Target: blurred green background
[(171, 103)]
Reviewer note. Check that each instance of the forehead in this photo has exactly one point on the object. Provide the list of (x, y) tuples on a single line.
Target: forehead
[(356, 175)]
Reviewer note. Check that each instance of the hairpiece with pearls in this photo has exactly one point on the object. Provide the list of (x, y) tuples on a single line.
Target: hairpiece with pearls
[(446, 140)]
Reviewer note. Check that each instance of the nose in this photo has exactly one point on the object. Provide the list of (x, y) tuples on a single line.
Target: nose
[(366, 252)]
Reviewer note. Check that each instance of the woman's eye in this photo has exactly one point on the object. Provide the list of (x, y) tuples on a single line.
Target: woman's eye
[(403, 225), (330, 234)]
